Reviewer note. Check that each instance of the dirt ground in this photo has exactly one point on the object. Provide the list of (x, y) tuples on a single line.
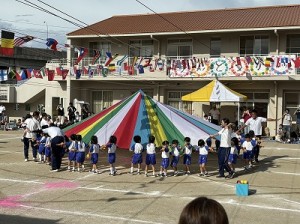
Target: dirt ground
[(30, 193)]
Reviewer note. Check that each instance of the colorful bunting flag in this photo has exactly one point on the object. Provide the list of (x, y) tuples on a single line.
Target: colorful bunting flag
[(82, 53), (22, 40), (97, 55), (7, 43), (52, 43), (50, 74), (37, 74), (78, 74)]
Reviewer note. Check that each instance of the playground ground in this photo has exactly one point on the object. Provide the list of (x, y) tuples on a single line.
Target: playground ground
[(29, 193)]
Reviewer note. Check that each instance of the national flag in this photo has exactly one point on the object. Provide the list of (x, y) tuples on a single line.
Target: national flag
[(23, 74), (3, 75), (96, 56), (82, 53), (120, 62), (43, 71), (62, 72), (29, 73), (112, 67), (52, 43), (90, 72), (297, 62), (248, 59), (108, 58), (78, 74), (37, 74), (16, 75), (238, 61), (268, 61), (51, 74), (7, 43), (22, 40)]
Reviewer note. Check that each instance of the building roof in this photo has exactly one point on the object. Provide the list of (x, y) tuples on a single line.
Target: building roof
[(209, 20)]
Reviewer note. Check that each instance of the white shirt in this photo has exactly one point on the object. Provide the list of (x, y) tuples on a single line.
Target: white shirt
[(72, 146), (233, 150), (111, 148), (137, 148), (255, 124), (176, 151), (287, 119), (150, 148), (215, 114), (81, 147), (247, 145), (95, 148), (188, 149), (48, 142), (2, 108), (165, 154), (225, 137), (53, 131), (32, 124), (203, 150), (44, 122)]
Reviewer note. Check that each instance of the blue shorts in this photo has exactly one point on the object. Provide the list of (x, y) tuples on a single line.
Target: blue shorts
[(47, 151), (137, 158), (165, 163), (187, 159), (94, 158), (72, 156), (80, 156), (202, 159), (232, 158), (150, 159), (42, 149), (111, 158), (247, 155), (175, 161)]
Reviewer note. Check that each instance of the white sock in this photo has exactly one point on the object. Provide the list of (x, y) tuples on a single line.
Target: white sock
[(111, 170), (138, 170), (44, 158), (40, 157), (131, 169)]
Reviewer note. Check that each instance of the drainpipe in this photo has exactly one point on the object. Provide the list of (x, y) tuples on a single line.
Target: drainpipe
[(277, 44), (158, 42), (276, 105)]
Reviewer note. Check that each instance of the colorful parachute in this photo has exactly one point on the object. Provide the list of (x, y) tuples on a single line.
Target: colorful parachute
[(141, 115)]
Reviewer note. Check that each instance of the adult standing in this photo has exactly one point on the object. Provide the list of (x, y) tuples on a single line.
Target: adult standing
[(255, 124), (71, 112), (44, 122), (224, 149), (215, 115), (31, 130), (297, 113), (84, 111), (57, 146), (286, 125), (60, 114), (2, 109), (246, 116)]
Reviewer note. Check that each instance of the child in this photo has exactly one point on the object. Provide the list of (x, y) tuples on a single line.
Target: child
[(137, 158), (80, 154), (94, 151), (233, 155), (203, 152), (254, 144), (280, 134), (72, 152), (48, 149), (165, 153), (176, 156), (77, 117), (41, 151), (247, 148), (151, 156), (111, 150), (35, 147), (187, 151)]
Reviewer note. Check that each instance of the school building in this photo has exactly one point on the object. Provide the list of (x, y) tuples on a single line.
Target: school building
[(253, 51)]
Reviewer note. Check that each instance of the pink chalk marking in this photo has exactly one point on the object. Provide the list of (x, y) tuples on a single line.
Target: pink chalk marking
[(61, 184), (11, 202)]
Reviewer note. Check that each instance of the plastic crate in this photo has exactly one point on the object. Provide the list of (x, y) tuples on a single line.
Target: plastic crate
[(242, 189)]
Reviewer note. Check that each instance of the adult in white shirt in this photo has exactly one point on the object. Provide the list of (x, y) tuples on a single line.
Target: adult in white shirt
[(31, 130), (255, 124), (215, 115), (2, 109), (44, 123), (224, 150), (57, 144), (286, 124)]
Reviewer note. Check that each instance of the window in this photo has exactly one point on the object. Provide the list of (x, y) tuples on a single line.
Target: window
[(215, 47), (101, 100), (292, 102), (141, 48), (293, 44), (174, 100), (103, 47), (180, 48), (254, 45)]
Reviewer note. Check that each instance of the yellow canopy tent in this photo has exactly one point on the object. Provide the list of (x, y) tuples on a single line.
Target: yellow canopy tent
[(215, 91)]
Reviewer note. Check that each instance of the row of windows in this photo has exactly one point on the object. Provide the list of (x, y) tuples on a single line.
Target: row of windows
[(249, 45)]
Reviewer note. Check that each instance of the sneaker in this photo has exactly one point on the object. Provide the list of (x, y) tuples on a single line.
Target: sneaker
[(138, 173), (175, 174), (34, 159), (206, 174), (187, 173), (220, 176), (26, 160), (54, 170), (73, 170), (201, 174), (233, 175), (146, 175)]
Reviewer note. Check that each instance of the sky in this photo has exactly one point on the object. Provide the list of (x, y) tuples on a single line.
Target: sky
[(25, 20)]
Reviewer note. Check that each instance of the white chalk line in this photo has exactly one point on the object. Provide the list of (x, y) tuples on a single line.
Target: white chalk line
[(22, 181), (2, 151), (90, 214), (289, 158), (284, 173), (1, 139)]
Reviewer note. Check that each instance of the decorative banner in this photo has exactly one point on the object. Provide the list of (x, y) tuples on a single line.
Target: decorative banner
[(239, 66)]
